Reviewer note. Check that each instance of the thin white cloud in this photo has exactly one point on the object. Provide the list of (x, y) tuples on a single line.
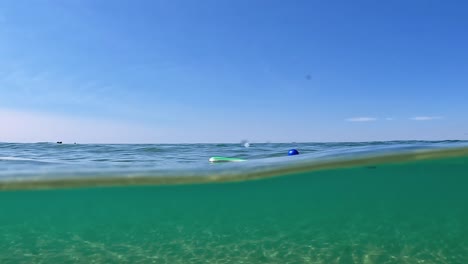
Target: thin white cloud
[(21, 126), (361, 119), (389, 118), (425, 118)]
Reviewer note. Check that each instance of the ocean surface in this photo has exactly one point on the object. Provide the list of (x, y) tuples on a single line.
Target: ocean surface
[(369, 202)]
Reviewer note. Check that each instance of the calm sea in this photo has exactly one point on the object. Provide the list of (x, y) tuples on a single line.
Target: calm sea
[(370, 202)]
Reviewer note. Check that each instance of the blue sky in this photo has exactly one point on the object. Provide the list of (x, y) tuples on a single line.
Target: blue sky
[(225, 71)]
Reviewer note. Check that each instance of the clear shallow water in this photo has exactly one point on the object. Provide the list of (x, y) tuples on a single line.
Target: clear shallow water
[(391, 202)]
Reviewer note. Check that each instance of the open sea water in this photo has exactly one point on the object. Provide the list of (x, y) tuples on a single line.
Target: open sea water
[(371, 202)]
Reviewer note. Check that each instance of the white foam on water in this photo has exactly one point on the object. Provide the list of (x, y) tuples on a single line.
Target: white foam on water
[(17, 158)]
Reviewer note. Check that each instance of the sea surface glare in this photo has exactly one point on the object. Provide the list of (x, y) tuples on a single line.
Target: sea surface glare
[(371, 202)]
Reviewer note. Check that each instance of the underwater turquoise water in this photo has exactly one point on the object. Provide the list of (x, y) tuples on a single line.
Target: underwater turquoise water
[(379, 202)]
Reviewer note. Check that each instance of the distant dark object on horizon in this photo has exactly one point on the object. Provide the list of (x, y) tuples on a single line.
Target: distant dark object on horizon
[(59, 142)]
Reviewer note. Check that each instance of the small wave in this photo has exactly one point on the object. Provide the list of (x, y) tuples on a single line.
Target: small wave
[(153, 149), (16, 158), (20, 159)]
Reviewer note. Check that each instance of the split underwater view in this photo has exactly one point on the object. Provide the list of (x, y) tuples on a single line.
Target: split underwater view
[(371, 202), (233, 132)]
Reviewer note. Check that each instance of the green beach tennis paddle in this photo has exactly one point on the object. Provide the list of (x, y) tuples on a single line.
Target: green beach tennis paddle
[(224, 159)]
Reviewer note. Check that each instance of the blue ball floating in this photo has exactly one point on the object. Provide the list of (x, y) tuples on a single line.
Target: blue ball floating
[(293, 152)]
